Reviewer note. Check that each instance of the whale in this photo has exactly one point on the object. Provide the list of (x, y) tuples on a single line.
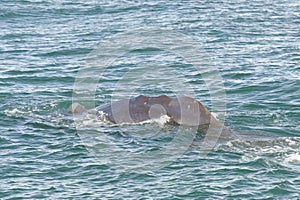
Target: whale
[(180, 110)]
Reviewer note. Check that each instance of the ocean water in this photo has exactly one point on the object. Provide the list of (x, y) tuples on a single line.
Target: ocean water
[(253, 47)]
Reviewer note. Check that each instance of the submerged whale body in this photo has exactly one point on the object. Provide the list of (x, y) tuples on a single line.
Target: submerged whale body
[(180, 110)]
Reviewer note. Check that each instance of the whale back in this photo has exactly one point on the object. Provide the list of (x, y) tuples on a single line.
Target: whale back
[(181, 110)]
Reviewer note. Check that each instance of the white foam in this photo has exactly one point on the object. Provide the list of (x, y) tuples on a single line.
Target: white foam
[(280, 150), (101, 118), (214, 114), (90, 119), (162, 120), (12, 112), (293, 158)]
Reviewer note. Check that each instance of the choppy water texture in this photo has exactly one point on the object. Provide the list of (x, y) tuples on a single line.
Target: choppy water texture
[(254, 44)]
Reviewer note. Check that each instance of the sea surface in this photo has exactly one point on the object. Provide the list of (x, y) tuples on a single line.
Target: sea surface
[(252, 47)]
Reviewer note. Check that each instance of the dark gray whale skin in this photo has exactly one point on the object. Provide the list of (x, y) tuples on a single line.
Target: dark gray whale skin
[(181, 110)]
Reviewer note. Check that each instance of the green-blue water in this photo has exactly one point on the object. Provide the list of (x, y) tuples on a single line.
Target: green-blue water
[(255, 46)]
